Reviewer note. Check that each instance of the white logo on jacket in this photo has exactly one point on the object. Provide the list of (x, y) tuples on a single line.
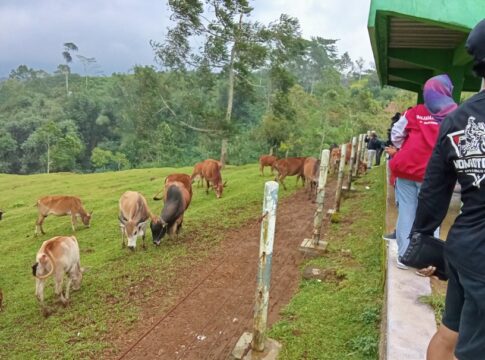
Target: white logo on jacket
[(469, 146)]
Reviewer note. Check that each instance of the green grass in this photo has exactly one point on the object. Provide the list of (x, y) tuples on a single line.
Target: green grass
[(340, 319), (108, 298)]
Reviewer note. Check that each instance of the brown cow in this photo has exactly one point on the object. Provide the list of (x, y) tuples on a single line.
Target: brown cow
[(211, 172), (197, 174), (266, 160), (134, 216), (177, 196), (289, 167), (58, 256), (335, 154), (60, 205), (311, 170)]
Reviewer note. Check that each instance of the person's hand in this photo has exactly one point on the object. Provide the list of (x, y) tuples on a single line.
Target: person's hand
[(427, 271), (391, 150)]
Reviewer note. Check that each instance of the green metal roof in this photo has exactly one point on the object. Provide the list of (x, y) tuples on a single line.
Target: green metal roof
[(413, 40)]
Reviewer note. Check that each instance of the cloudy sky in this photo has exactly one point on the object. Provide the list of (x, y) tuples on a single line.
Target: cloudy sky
[(117, 32)]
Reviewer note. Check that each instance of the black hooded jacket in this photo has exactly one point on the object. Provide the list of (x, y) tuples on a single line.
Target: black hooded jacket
[(459, 154)]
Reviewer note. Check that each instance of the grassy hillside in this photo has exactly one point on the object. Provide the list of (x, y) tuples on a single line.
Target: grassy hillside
[(80, 330)]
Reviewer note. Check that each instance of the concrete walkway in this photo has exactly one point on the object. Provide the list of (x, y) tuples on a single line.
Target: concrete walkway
[(410, 324)]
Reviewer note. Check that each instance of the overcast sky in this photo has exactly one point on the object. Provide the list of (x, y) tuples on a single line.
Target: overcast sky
[(117, 32)]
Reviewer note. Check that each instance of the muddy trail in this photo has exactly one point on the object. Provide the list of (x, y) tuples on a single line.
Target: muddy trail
[(214, 302)]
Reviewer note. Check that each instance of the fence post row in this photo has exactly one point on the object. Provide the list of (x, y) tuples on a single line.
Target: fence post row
[(322, 180), (352, 162), (343, 150), (264, 267)]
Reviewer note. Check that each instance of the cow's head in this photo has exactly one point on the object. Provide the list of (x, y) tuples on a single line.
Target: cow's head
[(219, 189), (159, 229), (86, 218), (132, 230)]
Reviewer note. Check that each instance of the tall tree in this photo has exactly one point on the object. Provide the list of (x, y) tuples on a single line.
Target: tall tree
[(88, 64), (66, 54), (231, 43)]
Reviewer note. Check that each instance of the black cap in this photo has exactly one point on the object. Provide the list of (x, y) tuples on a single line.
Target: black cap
[(475, 44)]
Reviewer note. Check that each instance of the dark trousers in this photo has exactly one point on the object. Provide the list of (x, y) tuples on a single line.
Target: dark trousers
[(378, 155)]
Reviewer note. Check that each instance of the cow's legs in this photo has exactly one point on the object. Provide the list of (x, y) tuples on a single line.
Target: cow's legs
[(68, 286), (38, 224), (39, 290), (261, 168), (280, 180), (59, 278), (207, 190), (73, 221)]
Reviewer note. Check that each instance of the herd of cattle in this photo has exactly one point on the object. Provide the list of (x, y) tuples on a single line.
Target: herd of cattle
[(60, 255)]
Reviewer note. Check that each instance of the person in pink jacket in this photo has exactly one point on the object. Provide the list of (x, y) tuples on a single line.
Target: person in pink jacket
[(415, 135)]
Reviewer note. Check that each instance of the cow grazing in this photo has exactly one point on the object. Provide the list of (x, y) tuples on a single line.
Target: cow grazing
[(289, 167), (60, 205), (266, 160), (58, 256), (177, 196), (197, 173), (211, 172), (311, 170), (134, 216)]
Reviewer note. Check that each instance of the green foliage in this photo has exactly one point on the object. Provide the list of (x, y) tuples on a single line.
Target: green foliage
[(293, 95)]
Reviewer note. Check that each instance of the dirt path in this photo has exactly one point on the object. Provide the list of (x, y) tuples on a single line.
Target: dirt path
[(215, 305)]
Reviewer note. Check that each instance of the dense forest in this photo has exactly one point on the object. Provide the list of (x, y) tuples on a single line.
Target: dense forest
[(248, 90)]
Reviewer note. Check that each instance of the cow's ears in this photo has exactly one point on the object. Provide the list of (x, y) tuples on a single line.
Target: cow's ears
[(84, 270)]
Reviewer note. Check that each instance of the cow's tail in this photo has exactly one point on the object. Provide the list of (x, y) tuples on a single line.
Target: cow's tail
[(34, 267)]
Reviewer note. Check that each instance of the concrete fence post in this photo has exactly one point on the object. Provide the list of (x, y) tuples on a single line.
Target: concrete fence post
[(322, 180), (357, 155), (364, 148), (340, 180), (268, 224), (352, 163)]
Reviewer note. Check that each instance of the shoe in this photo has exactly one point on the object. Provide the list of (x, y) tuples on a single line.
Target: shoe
[(389, 237), (401, 266)]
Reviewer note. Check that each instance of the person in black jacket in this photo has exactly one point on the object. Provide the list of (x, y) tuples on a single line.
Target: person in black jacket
[(459, 155)]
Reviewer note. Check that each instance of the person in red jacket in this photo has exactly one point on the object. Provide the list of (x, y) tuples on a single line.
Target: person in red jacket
[(415, 134)]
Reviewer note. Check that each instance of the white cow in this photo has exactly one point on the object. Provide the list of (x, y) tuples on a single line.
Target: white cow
[(58, 256)]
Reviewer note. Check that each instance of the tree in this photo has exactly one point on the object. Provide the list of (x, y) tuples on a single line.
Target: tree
[(88, 64), (8, 150), (66, 54), (231, 43), (360, 66)]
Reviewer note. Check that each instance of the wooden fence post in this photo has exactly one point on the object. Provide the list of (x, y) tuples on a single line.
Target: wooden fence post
[(264, 269), (352, 163), (340, 180)]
